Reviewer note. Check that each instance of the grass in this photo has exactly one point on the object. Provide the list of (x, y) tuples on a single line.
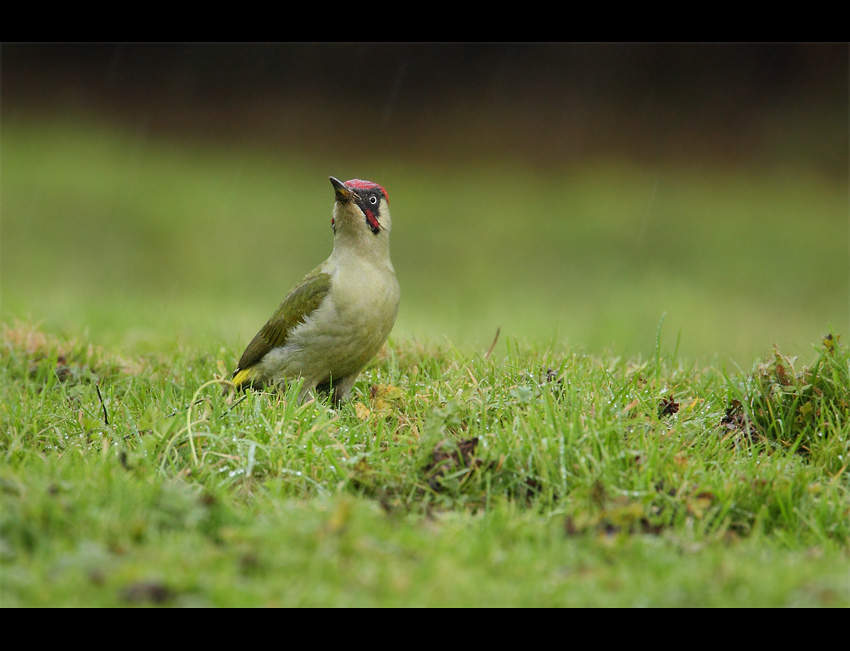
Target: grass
[(543, 479), (660, 422)]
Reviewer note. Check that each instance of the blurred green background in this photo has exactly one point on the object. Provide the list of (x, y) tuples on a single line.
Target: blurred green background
[(161, 195)]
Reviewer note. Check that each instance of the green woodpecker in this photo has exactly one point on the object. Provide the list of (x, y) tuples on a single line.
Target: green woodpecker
[(335, 320)]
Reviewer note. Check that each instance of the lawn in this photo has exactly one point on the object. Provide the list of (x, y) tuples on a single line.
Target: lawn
[(610, 384)]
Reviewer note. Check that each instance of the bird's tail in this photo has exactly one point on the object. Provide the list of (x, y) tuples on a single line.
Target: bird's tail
[(244, 377)]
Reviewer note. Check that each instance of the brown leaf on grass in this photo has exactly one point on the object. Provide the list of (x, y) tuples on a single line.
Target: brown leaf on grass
[(381, 398), (362, 411), (830, 341), (461, 453), (735, 421), (667, 407), (154, 592), (384, 392), (532, 486), (782, 374), (780, 369), (448, 457), (552, 377), (622, 517)]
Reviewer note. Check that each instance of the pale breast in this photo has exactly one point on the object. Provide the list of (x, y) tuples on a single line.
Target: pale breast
[(345, 332)]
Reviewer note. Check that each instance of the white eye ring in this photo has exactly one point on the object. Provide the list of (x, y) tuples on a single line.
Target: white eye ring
[(373, 200)]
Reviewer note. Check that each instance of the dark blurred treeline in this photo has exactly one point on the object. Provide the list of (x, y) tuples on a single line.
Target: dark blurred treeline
[(572, 97)]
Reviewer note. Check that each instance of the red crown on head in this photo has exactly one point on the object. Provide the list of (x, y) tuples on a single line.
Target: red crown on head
[(359, 184)]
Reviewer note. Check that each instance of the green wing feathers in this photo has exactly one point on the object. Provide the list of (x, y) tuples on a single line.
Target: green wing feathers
[(302, 301)]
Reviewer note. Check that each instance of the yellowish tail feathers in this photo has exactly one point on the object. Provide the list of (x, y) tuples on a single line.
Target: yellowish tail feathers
[(244, 376)]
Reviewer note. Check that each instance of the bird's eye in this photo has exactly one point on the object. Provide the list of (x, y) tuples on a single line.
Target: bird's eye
[(373, 200)]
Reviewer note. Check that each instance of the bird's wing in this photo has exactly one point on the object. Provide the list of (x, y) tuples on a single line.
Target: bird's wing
[(302, 301)]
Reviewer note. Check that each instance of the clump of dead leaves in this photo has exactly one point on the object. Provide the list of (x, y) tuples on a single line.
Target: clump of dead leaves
[(778, 403), (608, 516), (383, 401)]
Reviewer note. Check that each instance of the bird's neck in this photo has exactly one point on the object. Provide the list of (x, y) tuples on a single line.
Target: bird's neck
[(363, 245)]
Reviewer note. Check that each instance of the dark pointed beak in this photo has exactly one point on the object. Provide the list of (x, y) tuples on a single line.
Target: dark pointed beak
[(343, 194)]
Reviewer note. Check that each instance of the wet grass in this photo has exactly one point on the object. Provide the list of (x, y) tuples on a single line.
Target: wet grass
[(540, 478), (633, 437)]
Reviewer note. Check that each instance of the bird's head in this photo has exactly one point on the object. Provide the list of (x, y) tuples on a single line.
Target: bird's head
[(362, 207)]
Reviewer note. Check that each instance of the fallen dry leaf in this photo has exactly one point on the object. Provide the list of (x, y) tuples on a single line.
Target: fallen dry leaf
[(362, 411), (667, 407)]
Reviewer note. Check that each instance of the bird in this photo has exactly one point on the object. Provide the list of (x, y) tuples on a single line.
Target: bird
[(338, 316)]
